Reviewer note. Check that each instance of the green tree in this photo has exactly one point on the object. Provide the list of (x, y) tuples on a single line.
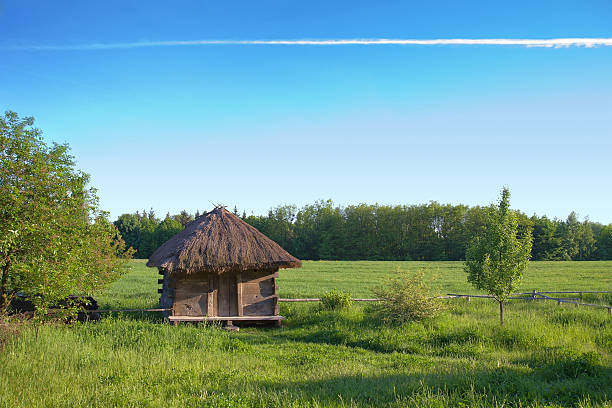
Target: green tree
[(604, 243), (165, 230), (453, 231), (183, 218), (496, 258), (586, 242), (569, 232), (129, 228), (54, 240), (147, 239), (547, 245)]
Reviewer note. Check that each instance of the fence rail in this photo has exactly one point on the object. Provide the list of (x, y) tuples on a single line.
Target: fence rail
[(127, 310), (456, 295), (536, 295), (533, 295), (319, 299), (561, 300)]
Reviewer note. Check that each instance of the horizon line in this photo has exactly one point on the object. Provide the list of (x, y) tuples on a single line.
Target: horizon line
[(528, 43)]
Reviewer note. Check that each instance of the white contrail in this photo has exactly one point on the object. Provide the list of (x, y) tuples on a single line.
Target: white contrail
[(548, 43)]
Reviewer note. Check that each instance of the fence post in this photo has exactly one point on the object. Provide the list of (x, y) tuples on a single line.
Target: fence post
[(533, 294)]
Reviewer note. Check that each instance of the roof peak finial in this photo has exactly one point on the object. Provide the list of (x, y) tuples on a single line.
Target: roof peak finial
[(219, 206)]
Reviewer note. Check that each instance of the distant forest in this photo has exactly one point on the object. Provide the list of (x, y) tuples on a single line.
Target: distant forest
[(427, 232)]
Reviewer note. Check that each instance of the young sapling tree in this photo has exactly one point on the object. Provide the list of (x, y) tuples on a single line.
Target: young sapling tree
[(496, 258)]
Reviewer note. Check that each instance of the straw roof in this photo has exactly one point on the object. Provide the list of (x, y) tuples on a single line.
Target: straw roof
[(220, 242)]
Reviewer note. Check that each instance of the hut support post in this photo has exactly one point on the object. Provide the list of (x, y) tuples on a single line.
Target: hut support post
[(239, 294), (229, 326), (210, 300)]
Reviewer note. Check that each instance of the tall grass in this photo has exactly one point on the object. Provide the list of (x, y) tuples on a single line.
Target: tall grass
[(545, 355)]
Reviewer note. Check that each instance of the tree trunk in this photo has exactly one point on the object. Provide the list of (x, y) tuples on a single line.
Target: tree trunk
[(3, 288), (501, 313)]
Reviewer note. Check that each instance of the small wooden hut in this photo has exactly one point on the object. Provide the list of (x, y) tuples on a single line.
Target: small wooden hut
[(220, 268)]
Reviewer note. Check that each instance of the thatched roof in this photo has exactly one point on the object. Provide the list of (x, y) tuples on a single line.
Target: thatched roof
[(220, 242)]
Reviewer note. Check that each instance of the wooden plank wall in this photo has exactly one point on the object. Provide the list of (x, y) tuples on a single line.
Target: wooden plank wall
[(191, 297), (250, 293), (259, 297)]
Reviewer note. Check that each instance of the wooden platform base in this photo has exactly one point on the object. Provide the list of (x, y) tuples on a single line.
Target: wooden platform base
[(228, 319)]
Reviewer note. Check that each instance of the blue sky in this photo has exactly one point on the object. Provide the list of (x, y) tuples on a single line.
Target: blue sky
[(182, 127)]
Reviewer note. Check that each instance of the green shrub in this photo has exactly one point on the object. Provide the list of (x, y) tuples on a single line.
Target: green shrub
[(336, 299), (406, 297)]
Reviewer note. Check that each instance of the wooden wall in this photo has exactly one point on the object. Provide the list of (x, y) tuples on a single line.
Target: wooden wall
[(259, 294), (250, 293)]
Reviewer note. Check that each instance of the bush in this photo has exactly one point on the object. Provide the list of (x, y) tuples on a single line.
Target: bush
[(406, 297), (54, 239), (336, 299)]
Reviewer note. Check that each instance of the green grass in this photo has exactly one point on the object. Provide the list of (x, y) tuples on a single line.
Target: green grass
[(358, 278), (545, 355)]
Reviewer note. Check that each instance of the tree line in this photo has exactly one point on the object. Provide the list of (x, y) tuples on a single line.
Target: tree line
[(145, 232), (429, 232)]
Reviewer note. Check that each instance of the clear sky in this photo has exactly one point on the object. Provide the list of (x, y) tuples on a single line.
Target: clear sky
[(257, 125)]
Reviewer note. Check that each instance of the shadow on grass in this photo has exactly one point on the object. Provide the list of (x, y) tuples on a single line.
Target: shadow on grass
[(490, 387), (148, 317)]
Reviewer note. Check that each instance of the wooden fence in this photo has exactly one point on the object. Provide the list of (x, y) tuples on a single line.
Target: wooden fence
[(536, 295), (533, 295)]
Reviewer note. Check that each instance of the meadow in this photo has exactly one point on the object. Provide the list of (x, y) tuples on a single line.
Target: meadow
[(544, 355), (139, 289)]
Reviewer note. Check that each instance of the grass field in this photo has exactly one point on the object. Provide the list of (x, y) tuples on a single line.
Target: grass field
[(545, 355), (358, 278)]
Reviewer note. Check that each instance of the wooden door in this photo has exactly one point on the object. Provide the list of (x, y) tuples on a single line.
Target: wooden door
[(227, 304)]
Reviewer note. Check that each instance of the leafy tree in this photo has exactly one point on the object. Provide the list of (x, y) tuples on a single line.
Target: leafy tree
[(569, 232), (165, 230), (546, 242), (453, 231), (148, 242), (279, 225), (586, 241), (129, 228), (497, 258), (604, 243), (331, 232), (145, 233), (151, 215), (54, 240), (183, 218)]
